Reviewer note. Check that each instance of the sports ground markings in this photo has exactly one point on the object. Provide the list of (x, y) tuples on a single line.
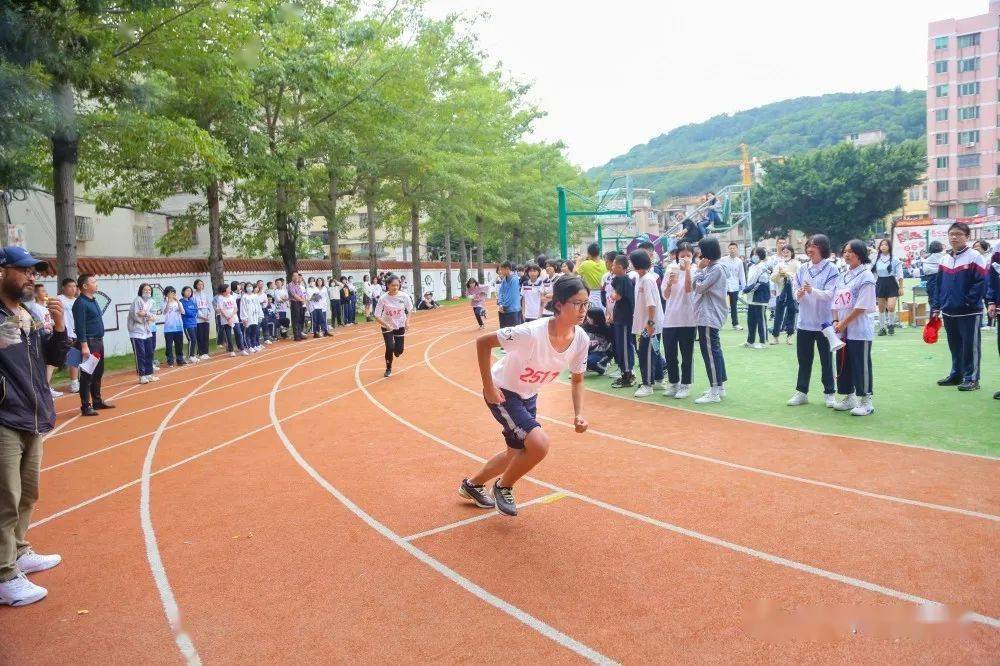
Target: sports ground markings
[(239, 438), (677, 529), (738, 466), (229, 406), (490, 513)]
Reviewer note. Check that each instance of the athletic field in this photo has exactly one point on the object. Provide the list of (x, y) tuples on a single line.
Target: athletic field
[(297, 507)]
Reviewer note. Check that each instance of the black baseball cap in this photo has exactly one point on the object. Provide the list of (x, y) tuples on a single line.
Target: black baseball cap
[(21, 258)]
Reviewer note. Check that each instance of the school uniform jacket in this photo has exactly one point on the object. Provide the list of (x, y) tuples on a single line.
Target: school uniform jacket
[(993, 290), (961, 285)]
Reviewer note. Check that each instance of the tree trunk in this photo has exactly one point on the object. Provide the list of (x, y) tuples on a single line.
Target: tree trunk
[(286, 239), (65, 149), (4, 220), (216, 268), (333, 227), (415, 249), (479, 248), (372, 258), (447, 261), (463, 265)]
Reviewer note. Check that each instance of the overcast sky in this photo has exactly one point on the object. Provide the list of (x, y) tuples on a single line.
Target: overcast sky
[(615, 74)]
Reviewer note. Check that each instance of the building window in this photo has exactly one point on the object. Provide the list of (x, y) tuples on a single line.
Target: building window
[(970, 209), (968, 113), (940, 114), (968, 138), (966, 161), (941, 162), (965, 41), (998, 169), (968, 64), (968, 184), (940, 43), (941, 90), (971, 89), (941, 186), (941, 139), (941, 67), (941, 212), (142, 241)]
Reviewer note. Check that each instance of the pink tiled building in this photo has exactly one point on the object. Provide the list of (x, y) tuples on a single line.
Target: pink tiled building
[(963, 142)]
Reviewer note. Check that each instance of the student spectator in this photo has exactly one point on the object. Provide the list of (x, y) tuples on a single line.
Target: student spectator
[(67, 298), (758, 290), (173, 327), (140, 315), (690, 232), (993, 296), (190, 321), (27, 414), (679, 324), (814, 286), (282, 308), (930, 266), (784, 298), (591, 270), (225, 305), (509, 297), (427, 301), (270, 325), (853, 299), (710, 313), (239, 331), (606, 289), (351, 311), (621, 311), (297, 297), (889, 286), (983, 247), (531, 293), (205, 312), (40, 311), (961, 291), (548, 280), (647, 322), (337, 303), (599, 352), (736, 280)]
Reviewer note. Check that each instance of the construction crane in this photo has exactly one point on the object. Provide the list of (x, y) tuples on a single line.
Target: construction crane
[(745, 164)]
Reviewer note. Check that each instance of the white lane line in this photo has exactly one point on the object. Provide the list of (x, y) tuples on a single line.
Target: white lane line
[(229, 406), (747, 468), (489, 513), (234, 440), (539, 626), (752, 552)]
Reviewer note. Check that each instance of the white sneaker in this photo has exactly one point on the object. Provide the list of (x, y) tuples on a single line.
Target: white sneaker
[(831, 399), (245, 352), (643, 391), (739, 328), (683, 391), (846, 404), (231, 354), (670, 390), (865, 407), (710, 396), (154, 378), (205, 357), (268, 342), (32, 562), (144, 379), (55, 393), (74, 386), (617, 374), (799, 398), (758, 345), (721, 391), (19, 591)]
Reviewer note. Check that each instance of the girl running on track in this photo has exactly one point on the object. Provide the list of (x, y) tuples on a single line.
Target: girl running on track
[(392, 312), (477, 295), (536, 353)]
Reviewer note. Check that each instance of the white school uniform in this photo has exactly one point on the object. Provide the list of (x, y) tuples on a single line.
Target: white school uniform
[(531, 292), (646, 295), (394, 308), (530, 361)]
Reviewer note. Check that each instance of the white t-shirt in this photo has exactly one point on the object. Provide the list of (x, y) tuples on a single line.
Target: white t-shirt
[(394, 308), (227, 308), (679, 309), (532, 294), (646, 295), (531, 361), (67, 304)]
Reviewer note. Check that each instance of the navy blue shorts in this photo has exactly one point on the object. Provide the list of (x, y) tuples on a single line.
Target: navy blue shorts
[(517, 416)]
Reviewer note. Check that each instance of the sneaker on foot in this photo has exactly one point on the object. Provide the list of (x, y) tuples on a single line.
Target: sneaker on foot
[(144, 379), (617, 374), (245, 352), (477, 494), (708, 397), (949, 381), (74, 386), (205, 357), (864, 407), (643, 391), (683, 391), (846, 404), (968, 386), (153, 378), (758, 345), (623, 382), (31, 562), (504, 499), (831, 399), (892, 329), (799, 398), (388, 371), (670, 390), (19, 591), (231, 354), (55, 393)]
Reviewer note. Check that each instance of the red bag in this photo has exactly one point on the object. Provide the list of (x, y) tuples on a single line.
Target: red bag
[(931, 329)]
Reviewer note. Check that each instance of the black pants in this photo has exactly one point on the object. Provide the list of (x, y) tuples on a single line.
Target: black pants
[(218, 330), (336, 313), (711, 353), (854, 368), (226, 335), (480, 315), (174, 346), (806, 342), (201, 337), (755, 323), (192, 337), (624, 347), (674, 340), (90, 383), (785, 310), (298, 319), (508, 319), (734, 299), (650, 361), (393, 344), (965, 345)]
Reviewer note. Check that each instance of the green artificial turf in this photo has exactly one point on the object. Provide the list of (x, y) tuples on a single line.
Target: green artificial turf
[(909, 407)]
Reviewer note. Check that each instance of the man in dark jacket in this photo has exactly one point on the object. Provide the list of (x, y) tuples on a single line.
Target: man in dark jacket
[(26, 412)]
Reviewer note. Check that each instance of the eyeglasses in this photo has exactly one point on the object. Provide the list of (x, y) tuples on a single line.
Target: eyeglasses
[(28, 272), (581, 306)]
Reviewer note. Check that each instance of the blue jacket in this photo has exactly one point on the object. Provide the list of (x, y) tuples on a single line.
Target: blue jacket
[(190, 316), (993, 291), (25, 401), (88, 320), (961, 283), (509, 296)]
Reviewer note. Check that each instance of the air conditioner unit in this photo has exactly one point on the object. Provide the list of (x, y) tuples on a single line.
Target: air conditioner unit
[(84, 228), (970, 144)]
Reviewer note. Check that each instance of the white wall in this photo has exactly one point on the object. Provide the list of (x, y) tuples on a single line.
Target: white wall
[(118, 292)]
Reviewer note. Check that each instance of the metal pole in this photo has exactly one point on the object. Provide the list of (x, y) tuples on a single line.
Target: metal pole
[(600, 237), (563, 223)]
